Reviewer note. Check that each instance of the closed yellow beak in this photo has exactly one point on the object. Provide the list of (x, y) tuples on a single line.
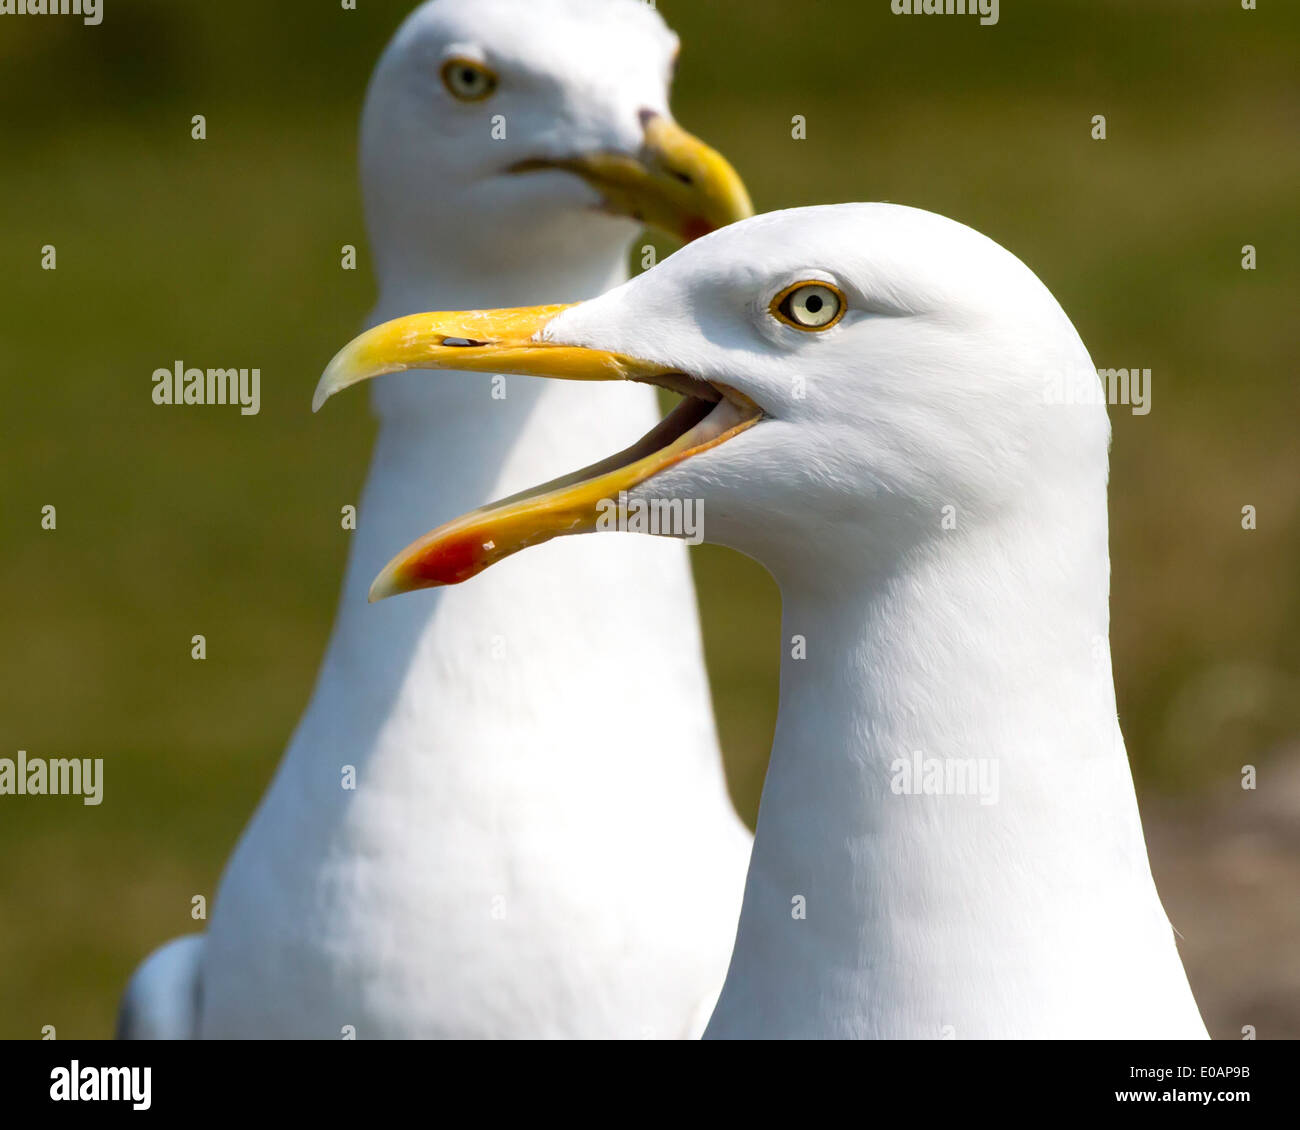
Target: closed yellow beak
[(676, 183)]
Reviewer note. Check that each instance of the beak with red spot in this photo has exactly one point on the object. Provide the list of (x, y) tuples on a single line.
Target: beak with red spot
[(514, 341)]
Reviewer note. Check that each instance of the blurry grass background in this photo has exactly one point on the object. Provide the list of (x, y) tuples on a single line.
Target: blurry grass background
[(172, 523)]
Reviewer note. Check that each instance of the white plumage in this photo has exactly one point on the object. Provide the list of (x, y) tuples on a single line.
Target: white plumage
[(540, 842), (927, 915), (949, 842)]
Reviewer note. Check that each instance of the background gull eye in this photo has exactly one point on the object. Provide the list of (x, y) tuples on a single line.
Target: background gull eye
[(809, 306), (467, 80)]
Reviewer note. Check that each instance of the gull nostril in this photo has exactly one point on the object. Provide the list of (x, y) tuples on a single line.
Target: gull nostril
[(645, 116)]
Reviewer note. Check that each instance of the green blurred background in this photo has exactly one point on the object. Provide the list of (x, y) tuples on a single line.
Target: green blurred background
[(177, 522)]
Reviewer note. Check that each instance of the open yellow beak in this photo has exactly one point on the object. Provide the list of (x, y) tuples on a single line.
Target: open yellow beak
[(510, 341), (676, 183)]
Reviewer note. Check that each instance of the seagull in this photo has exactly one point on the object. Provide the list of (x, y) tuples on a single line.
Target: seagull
[(490, 822), (948, 844)]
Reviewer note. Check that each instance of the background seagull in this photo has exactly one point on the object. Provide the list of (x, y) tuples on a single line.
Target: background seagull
[(540, 840), (875, 415)]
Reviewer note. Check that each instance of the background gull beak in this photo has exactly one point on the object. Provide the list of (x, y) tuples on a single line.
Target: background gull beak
[(675, 183)]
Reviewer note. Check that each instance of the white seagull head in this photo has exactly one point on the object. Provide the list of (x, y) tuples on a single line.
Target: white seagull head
[(498, 132), (850, 372)]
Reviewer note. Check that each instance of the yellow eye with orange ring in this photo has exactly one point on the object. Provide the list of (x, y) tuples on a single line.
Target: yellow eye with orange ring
[(810, 306)]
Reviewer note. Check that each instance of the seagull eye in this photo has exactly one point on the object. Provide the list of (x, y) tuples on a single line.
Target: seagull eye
[(467, 80), (809, 306)]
